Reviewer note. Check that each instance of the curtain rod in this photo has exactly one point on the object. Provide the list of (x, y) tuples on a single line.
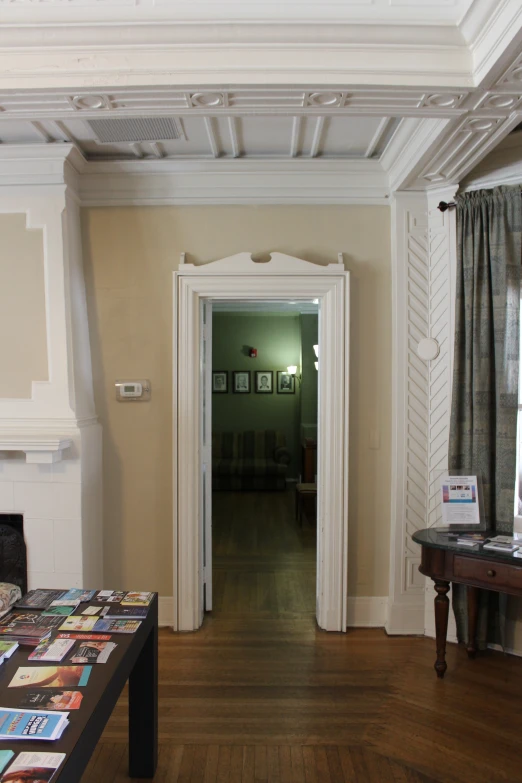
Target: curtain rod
[(444, 205)]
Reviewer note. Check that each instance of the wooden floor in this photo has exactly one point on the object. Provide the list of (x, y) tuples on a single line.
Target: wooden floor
[(260, 694)]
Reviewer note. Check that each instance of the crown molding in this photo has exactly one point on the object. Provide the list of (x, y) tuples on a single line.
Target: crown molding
[(408, 147), (267, 181), (276, 63)]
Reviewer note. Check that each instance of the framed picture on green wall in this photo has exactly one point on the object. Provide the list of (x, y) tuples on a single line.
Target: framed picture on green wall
[(219, 382), (241, 382), (264, 382), (285, 382)]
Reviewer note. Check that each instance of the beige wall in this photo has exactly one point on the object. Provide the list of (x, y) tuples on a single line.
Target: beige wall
[(129, 256), (23, 336)]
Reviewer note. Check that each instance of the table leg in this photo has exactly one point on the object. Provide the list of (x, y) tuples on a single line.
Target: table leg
[(441, 624), (143, 709), (473, 605)]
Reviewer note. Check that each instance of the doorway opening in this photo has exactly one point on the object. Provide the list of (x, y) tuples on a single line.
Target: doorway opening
[(264, 360), (241, 278)]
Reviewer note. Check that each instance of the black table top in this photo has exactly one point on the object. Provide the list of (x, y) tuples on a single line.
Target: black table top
[(436, 539), (105, 684)]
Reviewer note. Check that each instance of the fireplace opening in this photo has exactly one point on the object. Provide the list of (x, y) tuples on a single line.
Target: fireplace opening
[(13, 552)]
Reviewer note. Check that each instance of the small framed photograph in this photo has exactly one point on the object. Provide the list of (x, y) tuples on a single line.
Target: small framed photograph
[(219, 382), (285, 382), (264, 382), (241, 382)]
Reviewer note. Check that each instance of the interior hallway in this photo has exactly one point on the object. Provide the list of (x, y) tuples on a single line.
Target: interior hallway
[(264, 563), (259, 694)]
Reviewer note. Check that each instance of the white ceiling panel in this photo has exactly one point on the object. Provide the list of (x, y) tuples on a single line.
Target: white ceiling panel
[(394, 11)]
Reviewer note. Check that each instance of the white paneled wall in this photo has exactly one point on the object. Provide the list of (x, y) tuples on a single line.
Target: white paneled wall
[(61, 500), (423, 243)]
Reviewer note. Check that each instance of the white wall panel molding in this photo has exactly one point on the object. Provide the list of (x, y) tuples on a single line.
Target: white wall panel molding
[(423, 291), (410, 297)]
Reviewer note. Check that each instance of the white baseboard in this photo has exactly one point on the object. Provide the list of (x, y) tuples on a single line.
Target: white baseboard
[(367, 612), (165, 611), (406, 618), (362, 612)]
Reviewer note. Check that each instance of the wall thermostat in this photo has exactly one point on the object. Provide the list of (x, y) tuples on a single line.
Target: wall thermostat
[(133, 391)]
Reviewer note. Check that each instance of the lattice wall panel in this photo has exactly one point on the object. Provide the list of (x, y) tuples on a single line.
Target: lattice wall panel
[(417, 391)]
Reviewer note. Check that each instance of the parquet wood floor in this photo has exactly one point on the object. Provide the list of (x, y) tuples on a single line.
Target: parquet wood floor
[(260, 694)]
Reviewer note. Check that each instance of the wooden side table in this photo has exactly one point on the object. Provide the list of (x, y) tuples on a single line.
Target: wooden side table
[(475, 567)]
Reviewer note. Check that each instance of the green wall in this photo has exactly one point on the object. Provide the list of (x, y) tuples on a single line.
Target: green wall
[(277, 338), (309, 338)]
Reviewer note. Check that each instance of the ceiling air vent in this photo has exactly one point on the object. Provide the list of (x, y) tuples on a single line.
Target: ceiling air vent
[(136, 129)]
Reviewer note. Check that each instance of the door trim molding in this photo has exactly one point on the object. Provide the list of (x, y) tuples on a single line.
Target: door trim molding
[(282, 277)]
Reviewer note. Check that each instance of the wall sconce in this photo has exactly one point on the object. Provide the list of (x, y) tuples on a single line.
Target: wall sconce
[(317, 366), (316, 351), (292, 370)]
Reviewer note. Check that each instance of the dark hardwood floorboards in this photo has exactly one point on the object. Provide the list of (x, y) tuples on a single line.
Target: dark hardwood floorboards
[(260, 694)]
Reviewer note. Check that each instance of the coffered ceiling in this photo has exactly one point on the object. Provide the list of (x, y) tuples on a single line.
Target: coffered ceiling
[(393, 94)]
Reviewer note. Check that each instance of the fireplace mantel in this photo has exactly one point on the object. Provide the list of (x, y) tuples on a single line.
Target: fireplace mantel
[(39, 446)]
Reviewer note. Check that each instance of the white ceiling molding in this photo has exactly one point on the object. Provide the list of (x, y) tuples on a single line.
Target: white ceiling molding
[(429, 12), (84, 43), (233, 182)]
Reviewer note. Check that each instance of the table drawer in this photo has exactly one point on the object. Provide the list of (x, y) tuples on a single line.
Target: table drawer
[(495, 575)]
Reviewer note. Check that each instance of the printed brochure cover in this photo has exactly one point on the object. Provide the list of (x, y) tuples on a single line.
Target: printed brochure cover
[(93, 652), (33, 768), (38, 599), (91, 637), (51, 676), (45, 700), (78, 622), (52, 650), (31, 724), (109, 597), (5, 758), (59, 609), (77, 596), (137, 599), (117, 626)]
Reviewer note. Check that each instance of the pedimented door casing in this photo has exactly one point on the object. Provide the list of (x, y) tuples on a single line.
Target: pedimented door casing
[(283, 278)]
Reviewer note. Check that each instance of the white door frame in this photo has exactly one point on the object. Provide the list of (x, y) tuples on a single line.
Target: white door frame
[(283, 277)]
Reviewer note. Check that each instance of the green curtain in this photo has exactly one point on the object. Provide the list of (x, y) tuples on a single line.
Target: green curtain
[(485, 378)]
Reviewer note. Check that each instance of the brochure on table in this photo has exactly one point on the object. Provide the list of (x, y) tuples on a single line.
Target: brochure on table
[(461, 502)]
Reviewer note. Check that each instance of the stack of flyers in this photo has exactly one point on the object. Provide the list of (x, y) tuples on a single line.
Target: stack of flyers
[(26, 628), (78, 623), (57, 700), (52, 650), (75, 596), (57, 608), (93, 652), (33, 768), (109, 597), (5, 758), (32, 724), (105, 625), (120, 612), (38, 599), (137, 599), (51, 676), (92, 610), (7, 648), (92, 637)]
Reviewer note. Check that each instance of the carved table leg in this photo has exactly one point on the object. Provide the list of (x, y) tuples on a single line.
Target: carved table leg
[(441, 624), (473, 604)]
